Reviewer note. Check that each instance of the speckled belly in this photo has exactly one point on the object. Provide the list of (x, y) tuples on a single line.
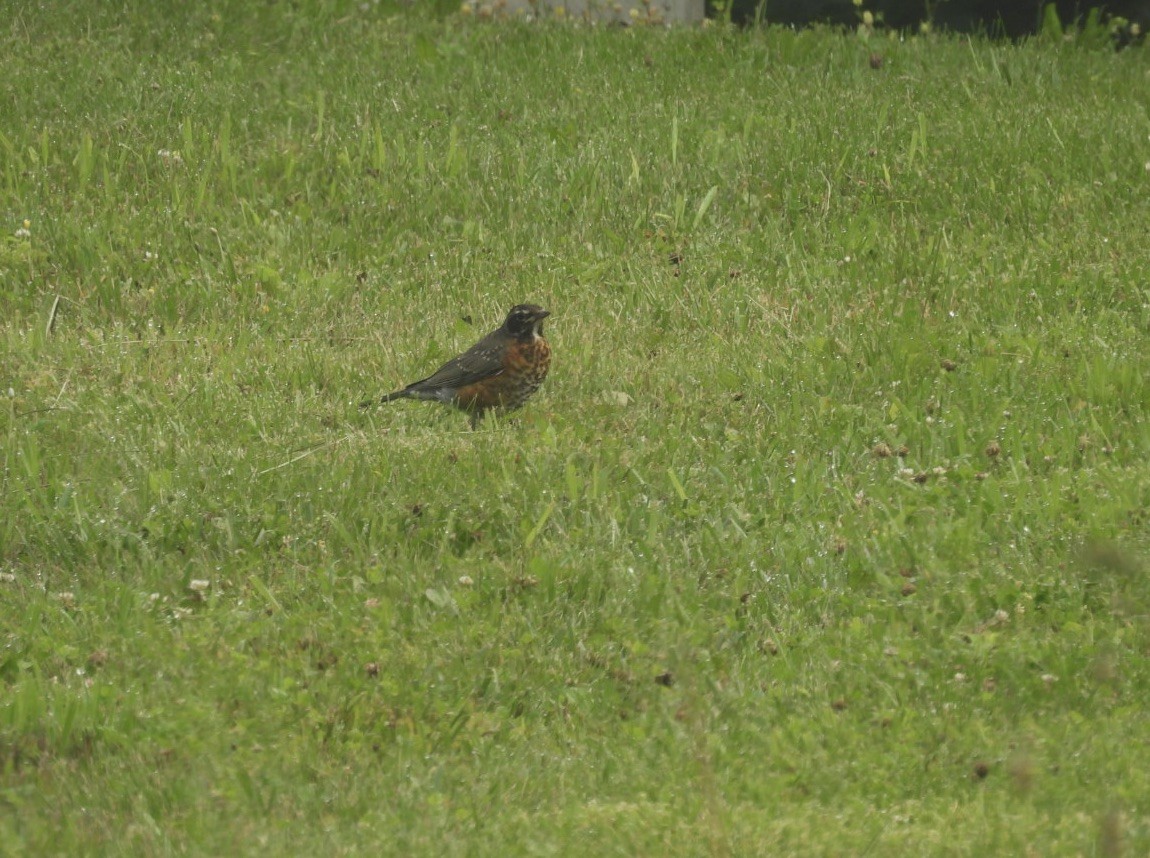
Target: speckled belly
[(524, 369)]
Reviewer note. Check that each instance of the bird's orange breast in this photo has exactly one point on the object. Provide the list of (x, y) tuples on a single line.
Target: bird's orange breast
[(525, 365)]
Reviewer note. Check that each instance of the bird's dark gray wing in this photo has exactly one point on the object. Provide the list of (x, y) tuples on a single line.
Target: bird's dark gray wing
[(482, 360)]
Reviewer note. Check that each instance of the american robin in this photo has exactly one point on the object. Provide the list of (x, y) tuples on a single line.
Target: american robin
[(501, 371)]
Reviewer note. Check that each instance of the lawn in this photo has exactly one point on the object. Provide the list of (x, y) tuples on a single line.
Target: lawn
[(826, 535)]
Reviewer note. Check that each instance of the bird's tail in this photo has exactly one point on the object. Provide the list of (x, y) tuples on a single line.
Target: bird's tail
[(399, 394)]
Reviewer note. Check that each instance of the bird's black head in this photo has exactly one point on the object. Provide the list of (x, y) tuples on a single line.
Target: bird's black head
[(526, 320)]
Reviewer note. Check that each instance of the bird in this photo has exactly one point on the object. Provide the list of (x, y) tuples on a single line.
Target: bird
[(500, 372)]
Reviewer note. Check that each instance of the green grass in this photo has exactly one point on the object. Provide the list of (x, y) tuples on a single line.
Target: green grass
[(828, 539)]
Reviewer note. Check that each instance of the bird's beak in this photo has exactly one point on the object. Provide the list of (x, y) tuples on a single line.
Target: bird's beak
[(542, 314)]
